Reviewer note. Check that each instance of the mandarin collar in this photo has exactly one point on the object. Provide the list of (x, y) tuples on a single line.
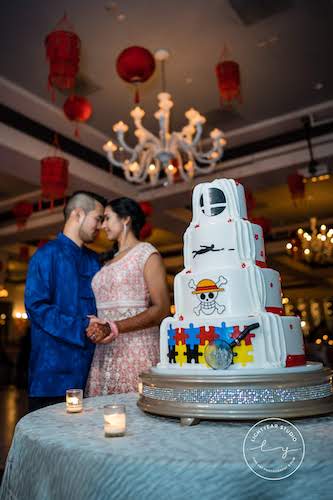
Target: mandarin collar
[(70, 244)]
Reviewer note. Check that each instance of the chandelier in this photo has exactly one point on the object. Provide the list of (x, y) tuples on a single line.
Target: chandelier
[(170, 156), (314, 247)]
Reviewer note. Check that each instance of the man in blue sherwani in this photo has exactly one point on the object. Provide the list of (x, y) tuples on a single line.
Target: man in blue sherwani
[(59, 300)]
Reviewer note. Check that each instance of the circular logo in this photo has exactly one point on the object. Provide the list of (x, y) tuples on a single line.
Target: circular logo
[(273, 448)]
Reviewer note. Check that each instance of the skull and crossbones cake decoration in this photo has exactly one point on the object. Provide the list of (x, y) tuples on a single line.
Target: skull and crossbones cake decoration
[(207, 292)]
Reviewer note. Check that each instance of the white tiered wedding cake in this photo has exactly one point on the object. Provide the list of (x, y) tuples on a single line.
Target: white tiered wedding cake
[(226, 292)]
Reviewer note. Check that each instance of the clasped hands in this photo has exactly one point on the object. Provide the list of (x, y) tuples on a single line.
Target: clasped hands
[(100, 331)]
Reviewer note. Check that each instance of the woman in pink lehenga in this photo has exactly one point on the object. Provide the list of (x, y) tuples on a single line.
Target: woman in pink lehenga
[(132, 296)]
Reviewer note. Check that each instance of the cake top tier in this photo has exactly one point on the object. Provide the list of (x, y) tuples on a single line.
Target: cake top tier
[(222, 198)]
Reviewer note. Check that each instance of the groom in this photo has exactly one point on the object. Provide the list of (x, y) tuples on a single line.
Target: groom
[(61, 306)]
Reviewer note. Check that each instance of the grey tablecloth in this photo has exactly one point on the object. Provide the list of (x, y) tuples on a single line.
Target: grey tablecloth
[(60, 456)]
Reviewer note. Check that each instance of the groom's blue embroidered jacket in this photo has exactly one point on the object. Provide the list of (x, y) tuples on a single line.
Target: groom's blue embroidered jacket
[(58, 298)]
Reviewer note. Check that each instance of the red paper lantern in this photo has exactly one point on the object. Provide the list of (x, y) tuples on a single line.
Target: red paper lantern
[(22, 211), (77, 109), (54, 178), (146, 231), (24, 253), (250, 201), (228, 78), (146, 207), (135, 65), (63, 52), (296, 186), (265, 223), (41, 243)]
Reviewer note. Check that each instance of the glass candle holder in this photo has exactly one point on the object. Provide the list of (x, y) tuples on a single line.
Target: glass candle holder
[(114, 420), (74, 400)]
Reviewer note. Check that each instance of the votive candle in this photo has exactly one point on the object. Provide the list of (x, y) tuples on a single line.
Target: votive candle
[(114, 420), (74, 400)]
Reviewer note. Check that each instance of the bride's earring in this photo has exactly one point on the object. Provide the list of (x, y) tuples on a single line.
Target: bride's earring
[(125, 230)]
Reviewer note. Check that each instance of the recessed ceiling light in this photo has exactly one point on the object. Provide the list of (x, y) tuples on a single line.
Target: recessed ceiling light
[(188, 80), (318, 86)]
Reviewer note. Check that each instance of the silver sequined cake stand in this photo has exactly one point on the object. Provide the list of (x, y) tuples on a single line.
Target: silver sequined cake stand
[(238, 394)]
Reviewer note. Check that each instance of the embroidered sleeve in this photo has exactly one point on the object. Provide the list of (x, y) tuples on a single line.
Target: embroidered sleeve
[(147, 249)]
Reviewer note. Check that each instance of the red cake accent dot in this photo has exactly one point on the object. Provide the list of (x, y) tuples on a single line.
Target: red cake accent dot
[(198, 225), (271, 284), (181, 318), (291, 327), (256, 236), (262, 253), (229, 220), (243, 265), (189, 271)]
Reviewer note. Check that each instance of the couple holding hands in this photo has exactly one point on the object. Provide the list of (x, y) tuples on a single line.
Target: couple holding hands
[(94, 319)]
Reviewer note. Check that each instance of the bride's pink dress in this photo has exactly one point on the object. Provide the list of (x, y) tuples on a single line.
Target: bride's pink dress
[(121, 292)]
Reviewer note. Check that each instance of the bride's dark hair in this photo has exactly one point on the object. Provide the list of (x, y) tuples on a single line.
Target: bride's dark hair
[(125, 207)]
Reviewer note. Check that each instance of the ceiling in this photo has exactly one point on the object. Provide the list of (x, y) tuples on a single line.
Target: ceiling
[(284, 52), (282, 56)]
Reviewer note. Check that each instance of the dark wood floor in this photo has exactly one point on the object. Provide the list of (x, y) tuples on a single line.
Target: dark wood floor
[(13, 397), (13, 405)]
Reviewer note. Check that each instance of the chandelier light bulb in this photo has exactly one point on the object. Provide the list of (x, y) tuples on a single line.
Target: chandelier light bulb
[(120, 127), (137, 113), (134, 167), (110, 146), (289, 246)]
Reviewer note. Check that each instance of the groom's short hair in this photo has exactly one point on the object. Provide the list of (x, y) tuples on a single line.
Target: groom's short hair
[(83, 199)]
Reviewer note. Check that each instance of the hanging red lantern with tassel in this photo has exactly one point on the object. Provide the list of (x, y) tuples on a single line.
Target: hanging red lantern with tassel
[(24, 253), (265, 223), (53, 178), (296, 187), (135, 65), (42, 242), (22, 211), (77, 109), (250, 202), (228, 79), (63, 52), (146, 208), (146, 231)]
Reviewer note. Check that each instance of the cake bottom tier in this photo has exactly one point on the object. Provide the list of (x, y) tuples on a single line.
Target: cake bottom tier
[(276, 343)]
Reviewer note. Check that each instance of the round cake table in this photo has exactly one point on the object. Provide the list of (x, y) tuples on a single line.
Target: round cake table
[(58, 456)]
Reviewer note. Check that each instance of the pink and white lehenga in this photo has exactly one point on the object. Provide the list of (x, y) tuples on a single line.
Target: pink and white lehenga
[(121, 292)]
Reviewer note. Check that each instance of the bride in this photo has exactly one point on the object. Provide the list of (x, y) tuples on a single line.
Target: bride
[(132, 296)]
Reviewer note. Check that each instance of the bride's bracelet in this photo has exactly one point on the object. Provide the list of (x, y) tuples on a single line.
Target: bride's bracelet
[(114, 328)]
